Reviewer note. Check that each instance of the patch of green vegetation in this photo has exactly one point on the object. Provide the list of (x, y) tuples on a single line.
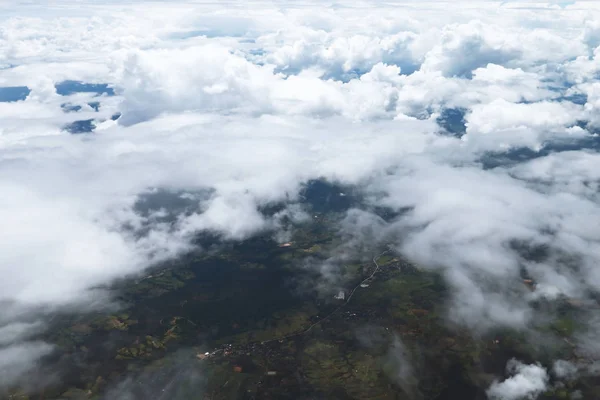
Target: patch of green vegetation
[(17, 395), (351, 270), (161, 282), (385, 259), (279, 325), (315, 248), (400, 293), (253, 266), (120, 322), (232, 292), (559, 393), (564, 326), (97, 386), (139, 349), (355, 373), (75, 394), (171, 334)]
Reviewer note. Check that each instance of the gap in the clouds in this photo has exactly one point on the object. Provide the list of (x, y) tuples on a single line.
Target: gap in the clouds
[(345, 76), (586, 125), (253, 286), (324, 196), (452, 120), (165, 205), (576, 98), (85, 125), (315, 196), (200, 296), (336, 73), (564, 92), (247, 286), (13, 93), (82, 126), (69, 87), (522, 154), (70, 107), (507, 158), (530, 251), (357, 73)]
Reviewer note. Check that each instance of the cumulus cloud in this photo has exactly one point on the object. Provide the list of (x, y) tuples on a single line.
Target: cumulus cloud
[(465, 47), (521, 125), (526, 382), (245, 106)]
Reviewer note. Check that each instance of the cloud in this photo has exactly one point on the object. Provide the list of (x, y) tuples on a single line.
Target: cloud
[(509, 124), (397, 360), (526, 382), (466, 47), (22, 330), (400, 366), (237, 110), (592, 104), (18, 360), (564, 369), (177, 376)]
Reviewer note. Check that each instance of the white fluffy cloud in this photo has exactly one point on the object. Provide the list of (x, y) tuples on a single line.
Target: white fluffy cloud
[(246, 103), (526, 382)]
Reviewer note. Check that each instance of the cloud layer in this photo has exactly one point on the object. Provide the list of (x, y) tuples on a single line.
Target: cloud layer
[(248, 104)]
